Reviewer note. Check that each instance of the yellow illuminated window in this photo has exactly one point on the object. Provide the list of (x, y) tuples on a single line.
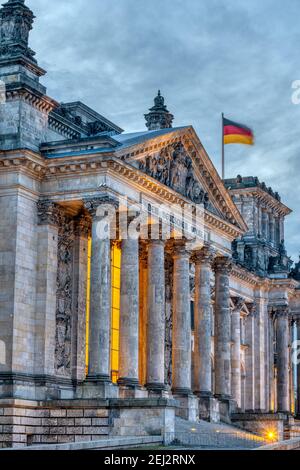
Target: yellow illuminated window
[(115, 311), (88, 298)]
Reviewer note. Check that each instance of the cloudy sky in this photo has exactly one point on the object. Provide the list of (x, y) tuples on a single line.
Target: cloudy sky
[(207, 57)]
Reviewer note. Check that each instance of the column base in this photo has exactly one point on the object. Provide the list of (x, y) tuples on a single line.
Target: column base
[(156, 387), (131, 388), (227, 406), (182, 391), (128, 382), (209, 408), (188, 406), (96, 389), (203, 394), (98, 378)]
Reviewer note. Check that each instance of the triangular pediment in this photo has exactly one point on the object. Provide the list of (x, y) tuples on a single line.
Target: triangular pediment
[(177, 159)]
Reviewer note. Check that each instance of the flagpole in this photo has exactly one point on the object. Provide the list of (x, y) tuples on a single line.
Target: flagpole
[(223, 149)]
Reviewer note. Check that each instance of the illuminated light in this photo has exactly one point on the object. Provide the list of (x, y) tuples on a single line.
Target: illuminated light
[(88, 301), (115, 310), (193, 429), (217, 430), (271, 436)]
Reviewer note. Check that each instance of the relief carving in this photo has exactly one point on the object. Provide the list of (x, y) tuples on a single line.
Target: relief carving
[(169, 321), (174, 168), (64, 297)]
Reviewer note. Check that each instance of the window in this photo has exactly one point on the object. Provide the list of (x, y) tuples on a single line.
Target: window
[(88, 299), (115, 307)]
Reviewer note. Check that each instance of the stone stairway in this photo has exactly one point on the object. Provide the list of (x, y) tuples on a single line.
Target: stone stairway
[(204, 435)]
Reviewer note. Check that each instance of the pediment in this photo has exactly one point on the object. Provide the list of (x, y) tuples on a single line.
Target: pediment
[(173, 167), (183, 165)]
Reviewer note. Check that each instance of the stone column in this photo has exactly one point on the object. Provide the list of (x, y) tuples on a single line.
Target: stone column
[(203, 322), (298, 369), (100, 301), (129, 314), (272, 228), (181, 348), (82, 231), (282, 315), (45, 320), (143, 306), (156, 316), (271, 362), (265, 224), (236, 390), (249, 358), (222, 267)]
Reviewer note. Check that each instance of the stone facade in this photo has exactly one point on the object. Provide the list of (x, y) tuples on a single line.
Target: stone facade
[(205, 314)]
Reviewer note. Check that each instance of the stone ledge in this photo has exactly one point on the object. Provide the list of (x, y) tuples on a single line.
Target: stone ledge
[(291, 444), (258, 416), (111, 443), (143, 403)]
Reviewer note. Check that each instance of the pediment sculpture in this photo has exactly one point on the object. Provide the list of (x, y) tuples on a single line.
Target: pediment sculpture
[(174, 168)]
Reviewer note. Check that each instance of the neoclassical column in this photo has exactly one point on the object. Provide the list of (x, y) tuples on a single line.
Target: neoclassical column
[(271, 361), (298, 368), (181, 347), (272, 228), (203, 321), (222, 268), (100, 298), (282, 315), (82, 232), (47, 267), (236, 390), (250, 358), (143, 308), (265, 224), (129, 314), (156, 316)]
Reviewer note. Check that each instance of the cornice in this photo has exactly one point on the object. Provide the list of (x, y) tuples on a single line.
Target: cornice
[(33, 97), (42, 168), (242, 274), (23, 159), (264, 199), (204, 168)]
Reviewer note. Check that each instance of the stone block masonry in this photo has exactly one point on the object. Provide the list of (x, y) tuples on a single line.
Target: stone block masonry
[(30, 423), (25, 423)]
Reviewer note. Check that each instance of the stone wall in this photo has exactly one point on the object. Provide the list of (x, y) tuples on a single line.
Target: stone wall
[(28, 423)]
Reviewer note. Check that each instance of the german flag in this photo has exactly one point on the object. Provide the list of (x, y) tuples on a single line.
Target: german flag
[(235, 133)]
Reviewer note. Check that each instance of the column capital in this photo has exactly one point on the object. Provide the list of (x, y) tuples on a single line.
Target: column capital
[(238, 303), (223, 264), (252, 308), (83, 226), (205, 255), (91, 204), (178, 248), (279, 311), (49, 213)]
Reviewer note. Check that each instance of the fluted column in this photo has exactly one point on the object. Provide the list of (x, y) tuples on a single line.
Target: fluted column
[(82, 232), (129, 313), (222, 267), (265, 224), (100, 300), (272, 228), (282, 315), (181, 347), (236, 390), (298, 368), (203, 322), (250, 358), (156, 315)]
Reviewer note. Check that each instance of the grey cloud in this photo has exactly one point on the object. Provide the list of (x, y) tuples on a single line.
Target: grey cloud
[(207, 56)]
